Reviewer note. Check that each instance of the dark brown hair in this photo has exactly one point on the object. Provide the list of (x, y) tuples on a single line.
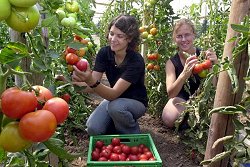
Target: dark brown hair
[(127, 24)]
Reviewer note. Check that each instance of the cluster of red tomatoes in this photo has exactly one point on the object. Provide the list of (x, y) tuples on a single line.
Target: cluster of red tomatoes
[(75, 56), (202, 68), (32, 116), (117, 151), (153, 57)]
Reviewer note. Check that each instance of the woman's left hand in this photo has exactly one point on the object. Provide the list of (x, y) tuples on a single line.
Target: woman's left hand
[(211, 55), (82, 76)]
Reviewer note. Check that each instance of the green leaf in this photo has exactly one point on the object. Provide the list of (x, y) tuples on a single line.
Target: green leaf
[(240, 28), (12, 52), (2, 154), (238, 125), (48, 22), (232, 39), (56, 146)]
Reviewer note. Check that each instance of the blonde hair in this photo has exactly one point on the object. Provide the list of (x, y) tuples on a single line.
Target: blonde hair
[(181, 22)]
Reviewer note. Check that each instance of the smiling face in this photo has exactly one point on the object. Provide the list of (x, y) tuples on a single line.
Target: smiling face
[(118, 40), (184, 38)]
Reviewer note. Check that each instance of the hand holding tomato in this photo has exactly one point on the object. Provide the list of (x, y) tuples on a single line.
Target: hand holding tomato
[(211, 55), (83, 76), (189, 65)]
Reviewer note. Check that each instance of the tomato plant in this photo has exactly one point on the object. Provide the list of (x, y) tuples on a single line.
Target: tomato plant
[(58, 107), (27, 102), (38, 126), (11, 140)]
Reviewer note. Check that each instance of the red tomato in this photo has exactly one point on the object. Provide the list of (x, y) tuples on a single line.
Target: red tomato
[(38, 126), (110, 147), (122, 157), (141, 145), (145, 149), (70, 50), (58, 107), (102, 159), (16, 103), (42, 94), (95, 155), (66, 97), (148, 154), (82, 64), (126, 149), (117, 149), (134, 150), (72, 58), (152, 159), (133, 157), (105, 153), (114, 157), (150, 66), (115, 141), (99, 144), (197, 68), (97, 149), (206, 64), (77, 38), (143, 157)]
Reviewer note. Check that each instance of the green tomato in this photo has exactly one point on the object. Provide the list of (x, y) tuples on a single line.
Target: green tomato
[(68, 22), (90, 45), (11, 140), (203, 73), (72, 6), (61, 14), (74, 15), (144, 35), (150, 37), (5, 9), (23, 3), (23, 19)]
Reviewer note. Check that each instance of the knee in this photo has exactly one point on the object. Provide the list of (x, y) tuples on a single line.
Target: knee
[(169, 115), (93, 130), (168, 120)]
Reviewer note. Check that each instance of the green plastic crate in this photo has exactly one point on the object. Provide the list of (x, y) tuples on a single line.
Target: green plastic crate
[(131, 140)]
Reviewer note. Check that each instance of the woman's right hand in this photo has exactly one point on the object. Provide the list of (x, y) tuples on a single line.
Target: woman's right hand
[(191, 61)]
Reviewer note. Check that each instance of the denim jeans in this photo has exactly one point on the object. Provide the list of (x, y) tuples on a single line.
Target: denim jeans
[(116, 117)]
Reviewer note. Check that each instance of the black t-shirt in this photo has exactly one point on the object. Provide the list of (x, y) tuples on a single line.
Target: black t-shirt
[(193, 82), (132, 69)]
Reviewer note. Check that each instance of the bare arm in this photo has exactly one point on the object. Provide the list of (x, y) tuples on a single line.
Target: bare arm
[(102, 90), (173, 84)]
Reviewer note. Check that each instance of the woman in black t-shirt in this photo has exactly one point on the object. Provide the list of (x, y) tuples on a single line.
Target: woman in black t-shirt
[(125, 100), (179, 70)]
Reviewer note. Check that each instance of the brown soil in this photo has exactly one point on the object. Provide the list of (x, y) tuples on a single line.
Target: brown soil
[(168, 143)]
